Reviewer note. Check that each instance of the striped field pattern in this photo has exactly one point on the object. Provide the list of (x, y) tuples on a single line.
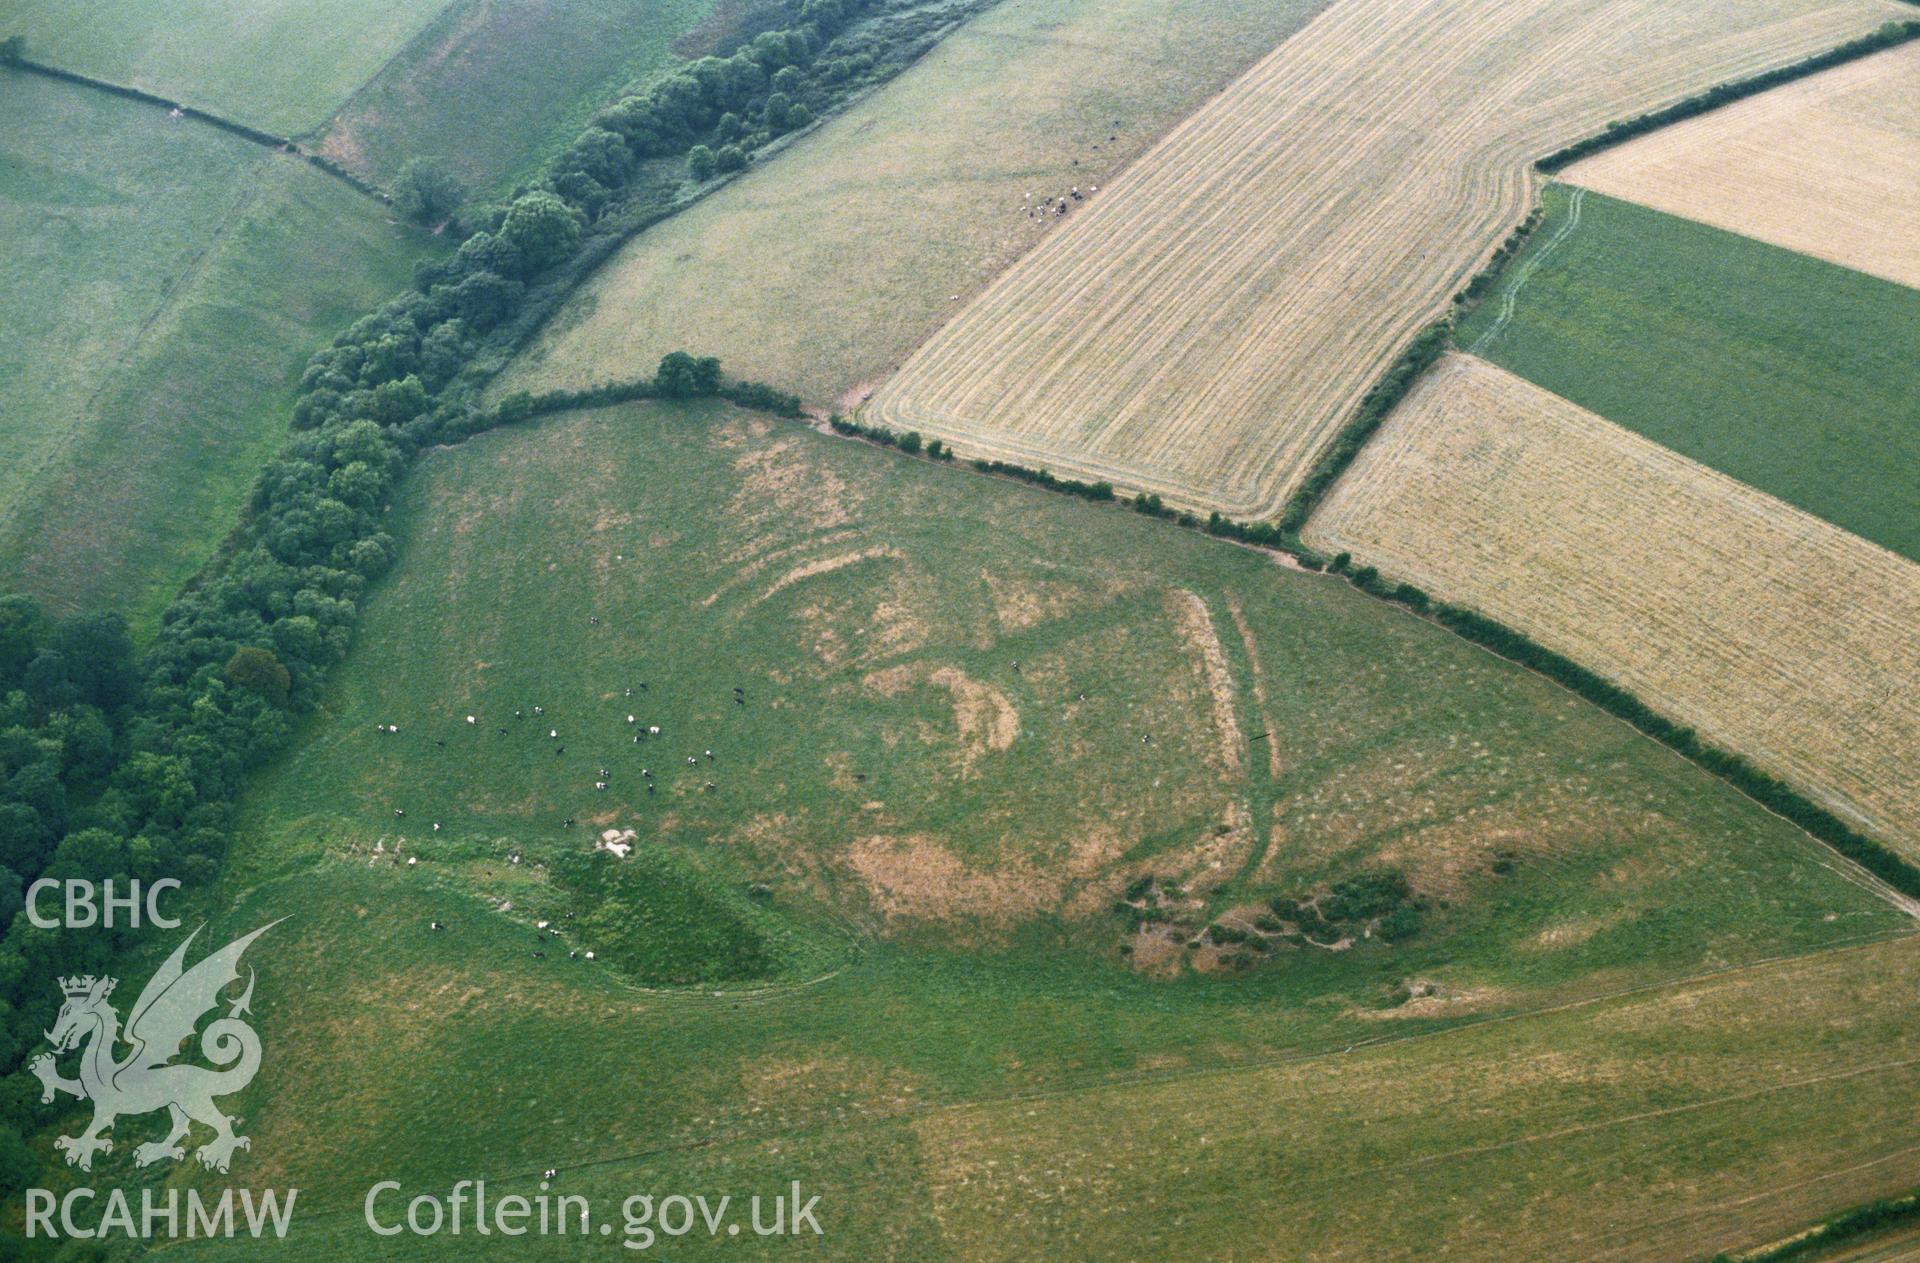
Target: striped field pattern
[(1772, 632), (1206, 321)]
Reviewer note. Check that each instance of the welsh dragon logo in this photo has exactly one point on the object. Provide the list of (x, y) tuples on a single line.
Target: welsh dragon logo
[(163, 1018)]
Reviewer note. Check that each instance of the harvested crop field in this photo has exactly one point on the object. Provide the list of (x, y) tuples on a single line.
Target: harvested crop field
[(825, 266), (1828, 166), (1204, 326), (1770, 631)]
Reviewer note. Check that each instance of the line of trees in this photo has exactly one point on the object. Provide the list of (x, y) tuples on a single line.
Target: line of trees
[(912, 442), (1771, 792)]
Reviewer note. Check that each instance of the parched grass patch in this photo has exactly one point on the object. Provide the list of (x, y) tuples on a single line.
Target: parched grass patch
[(1208, 323), (854, 719), (1772, 632), (896, 1054), (166, 283), (1786, 372)]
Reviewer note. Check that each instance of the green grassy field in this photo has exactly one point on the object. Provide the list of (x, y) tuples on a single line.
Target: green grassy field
[(929, 1004), (1786, 372), (1724, 1111), (167, 283), (959, 729), (821, 270), (279, 65), (492, 88)]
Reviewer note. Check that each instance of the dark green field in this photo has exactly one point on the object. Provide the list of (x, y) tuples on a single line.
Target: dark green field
[(1793, 375)]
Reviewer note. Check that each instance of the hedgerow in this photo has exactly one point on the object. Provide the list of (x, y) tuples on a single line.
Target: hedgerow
[(1616, 133)]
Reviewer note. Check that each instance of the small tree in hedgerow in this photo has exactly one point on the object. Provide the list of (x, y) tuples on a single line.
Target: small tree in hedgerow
[(543, 228), (681, 376), (426, 192), (258, 671), (700, 163)]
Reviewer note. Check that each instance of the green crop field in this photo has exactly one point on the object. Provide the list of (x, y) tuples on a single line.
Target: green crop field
[(822, 270), (912, 1009), (283, 66), (1791, 374), (166, 283), (490, 89)]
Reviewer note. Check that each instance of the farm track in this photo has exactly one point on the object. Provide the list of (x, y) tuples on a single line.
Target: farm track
[(1511, 299), (1204, 324), (1769, 630)]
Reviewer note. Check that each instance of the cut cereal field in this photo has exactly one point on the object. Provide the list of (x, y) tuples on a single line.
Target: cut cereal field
[(1772, 632), (1203, 327), (1828, 166), (280, 65), (1789, 373), (823, 268)]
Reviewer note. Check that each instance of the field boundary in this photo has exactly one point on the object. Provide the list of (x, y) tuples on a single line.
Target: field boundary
[(1509, 301), (1891, 35), (266, 140)]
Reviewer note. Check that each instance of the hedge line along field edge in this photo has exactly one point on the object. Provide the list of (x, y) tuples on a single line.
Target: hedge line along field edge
[(280, 144), (1888, 36)]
